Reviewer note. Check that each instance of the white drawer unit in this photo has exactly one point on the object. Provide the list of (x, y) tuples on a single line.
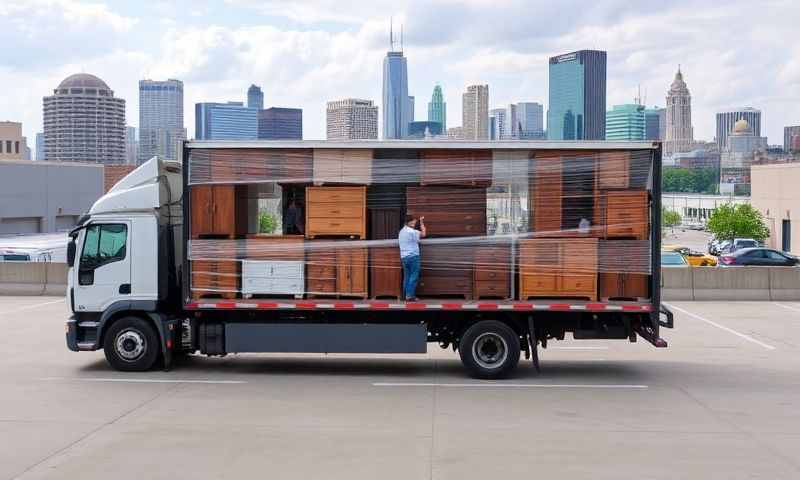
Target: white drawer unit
[(272, 277)]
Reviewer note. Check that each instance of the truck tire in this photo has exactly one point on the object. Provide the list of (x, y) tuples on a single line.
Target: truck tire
[(489, 350), (131, 345)]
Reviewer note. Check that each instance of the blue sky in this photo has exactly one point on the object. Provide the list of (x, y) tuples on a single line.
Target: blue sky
[(304, 53)]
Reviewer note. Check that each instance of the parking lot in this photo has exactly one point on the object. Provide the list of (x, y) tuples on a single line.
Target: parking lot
[(722, 402)]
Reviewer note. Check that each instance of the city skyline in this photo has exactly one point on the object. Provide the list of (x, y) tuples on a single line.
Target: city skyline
[(347, 63)]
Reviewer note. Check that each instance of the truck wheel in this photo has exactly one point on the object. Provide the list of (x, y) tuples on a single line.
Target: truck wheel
[(489, 350), (131, 345)]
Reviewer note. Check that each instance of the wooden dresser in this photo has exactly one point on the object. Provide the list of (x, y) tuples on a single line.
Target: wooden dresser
[(273, 265), (218, 276), (333, 165), (446, 270), (218, 211), (449, 211), (492, 271), (626, 214), (562, 193), (558, 267), (469, 168), (336, 270), (336, 211), (624, 267)]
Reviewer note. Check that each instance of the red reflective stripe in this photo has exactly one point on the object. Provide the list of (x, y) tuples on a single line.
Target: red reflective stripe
[(415, 306), (452, 306), (343, 305), (192, 305), (305, 304), (523, 306), (226, 305), (595, 306), (558, 306), (487, 306), (267, 305), (379, 305), (629, 308)]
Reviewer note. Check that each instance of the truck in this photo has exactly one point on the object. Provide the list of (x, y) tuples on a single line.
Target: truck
[(291, 246)]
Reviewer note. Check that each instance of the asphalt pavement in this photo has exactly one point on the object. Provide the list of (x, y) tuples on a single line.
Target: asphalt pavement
[(723, 401)]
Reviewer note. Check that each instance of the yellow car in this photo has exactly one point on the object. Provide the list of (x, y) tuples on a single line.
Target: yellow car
[(695, 259)]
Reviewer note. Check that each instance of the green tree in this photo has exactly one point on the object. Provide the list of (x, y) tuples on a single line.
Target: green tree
[(669, 219), (731, 221), (690, 180), (266, 223)]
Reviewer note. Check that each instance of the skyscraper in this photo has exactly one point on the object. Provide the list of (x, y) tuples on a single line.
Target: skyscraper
[(791, 139), (131, 146), (475, 112), (437, 108), (161, 128), (40, 146), (279, 123), (225, 121), (577, 106), (625, 122), (653, 126), (498, 123), (679, 134), (84, 122), (396, 103), (351, 119), (530, 120), (255, 97), (727, 119)]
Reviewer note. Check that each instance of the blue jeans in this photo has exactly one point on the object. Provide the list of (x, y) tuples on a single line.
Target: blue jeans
[(410, 275)]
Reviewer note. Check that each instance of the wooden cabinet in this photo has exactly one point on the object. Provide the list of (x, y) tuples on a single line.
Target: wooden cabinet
[(446, 270), (492, 271), (395, 166), (624, 267), (448, 211), (218, 210), (337, 270), (623, 286), (470, 168), (214, 278), (545, 195), (385, 223), (627, 214), (385, 272), (563, 195), (336, 211), (272, 277), (613, 170), (558, 267), (351, 166)]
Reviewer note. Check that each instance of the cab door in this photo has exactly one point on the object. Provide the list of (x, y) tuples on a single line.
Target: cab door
[(103, 267)]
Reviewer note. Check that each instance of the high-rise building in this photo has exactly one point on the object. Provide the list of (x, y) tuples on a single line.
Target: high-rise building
[(625, 122), (437, 108), (351, 119), (225, 121), (475, 112), (662, 124), (652, 123), (255, 97), (736, 158), (84, 122), (278, 123), (12, 143), (530, 120), (40, 146), (161, 128), (498, 123), (131, 146), (398, 107), (791, 139), (679, 134), (727, 119), (577, 106), (26, 150), (455, 133)]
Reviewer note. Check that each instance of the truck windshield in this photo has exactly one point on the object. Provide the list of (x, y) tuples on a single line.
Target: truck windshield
[(104, 244)]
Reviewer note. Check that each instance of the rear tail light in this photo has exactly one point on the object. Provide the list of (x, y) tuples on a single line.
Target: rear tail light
[(726, 259)]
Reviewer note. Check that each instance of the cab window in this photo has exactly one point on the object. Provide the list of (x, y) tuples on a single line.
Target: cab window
[(104, 244)]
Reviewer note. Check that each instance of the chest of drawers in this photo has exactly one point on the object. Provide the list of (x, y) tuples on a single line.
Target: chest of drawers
[(336, 270), (385, 272), (447, 270), (336, 211), (448, 211), (558, 267), (272, 277), (492, 271), (627, 214)]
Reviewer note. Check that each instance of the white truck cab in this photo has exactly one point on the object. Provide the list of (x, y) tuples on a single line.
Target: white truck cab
[(122, 259)]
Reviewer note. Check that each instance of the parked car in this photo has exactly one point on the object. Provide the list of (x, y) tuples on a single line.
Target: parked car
[(736, 244), (758, 256), (695, 258), (673, 260)]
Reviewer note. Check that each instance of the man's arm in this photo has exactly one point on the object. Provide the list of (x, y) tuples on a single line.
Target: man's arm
[(423, 231)]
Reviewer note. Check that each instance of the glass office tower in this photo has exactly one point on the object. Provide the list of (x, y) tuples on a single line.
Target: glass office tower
[(577, 96), (396, 103)]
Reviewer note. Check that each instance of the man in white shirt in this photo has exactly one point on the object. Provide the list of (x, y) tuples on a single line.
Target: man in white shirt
[(409, 254)]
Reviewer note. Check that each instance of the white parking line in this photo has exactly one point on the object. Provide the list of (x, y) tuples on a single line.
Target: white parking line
[(31, 307), (579, 348), (722, 327), (788, 307), (143, 380), (508, 385)]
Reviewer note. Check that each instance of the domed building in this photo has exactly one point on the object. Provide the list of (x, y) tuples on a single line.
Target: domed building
[(737, 157), (84, 122)]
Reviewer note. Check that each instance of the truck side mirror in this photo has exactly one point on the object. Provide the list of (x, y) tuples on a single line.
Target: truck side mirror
[(71, 252)]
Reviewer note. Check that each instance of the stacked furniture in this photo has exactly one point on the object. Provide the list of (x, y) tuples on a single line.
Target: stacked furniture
[(336, 211), (217, 277), (558, 267), (273, 265), (492, 270), (336, 268)]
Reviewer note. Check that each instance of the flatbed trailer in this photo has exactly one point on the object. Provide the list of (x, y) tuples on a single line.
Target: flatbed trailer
[(197, 300)]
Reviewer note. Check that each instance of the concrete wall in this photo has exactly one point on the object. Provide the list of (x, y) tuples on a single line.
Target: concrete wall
[(776, 196), (730, 284), (46, 191), (36, 278)]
